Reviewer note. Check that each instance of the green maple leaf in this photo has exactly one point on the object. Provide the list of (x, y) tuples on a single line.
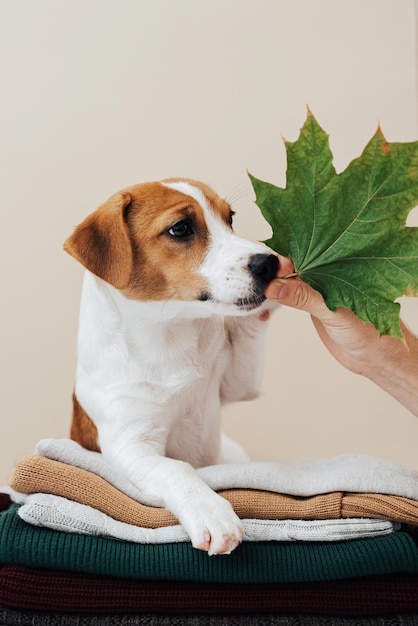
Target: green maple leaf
[(346, 233)]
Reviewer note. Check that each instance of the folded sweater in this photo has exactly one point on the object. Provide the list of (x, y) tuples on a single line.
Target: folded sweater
[(349, 472), (38, 474), (71, 592), (260, 562), (42, 509)]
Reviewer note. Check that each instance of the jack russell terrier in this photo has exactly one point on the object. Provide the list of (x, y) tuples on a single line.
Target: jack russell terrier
[(172, 326)]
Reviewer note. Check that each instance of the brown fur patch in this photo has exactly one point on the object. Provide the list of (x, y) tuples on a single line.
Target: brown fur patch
[(165, 267), (83, 430), (102, 242)]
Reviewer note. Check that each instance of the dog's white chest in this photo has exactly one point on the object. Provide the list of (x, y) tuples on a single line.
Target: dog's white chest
[(196, 407), (161, 372)]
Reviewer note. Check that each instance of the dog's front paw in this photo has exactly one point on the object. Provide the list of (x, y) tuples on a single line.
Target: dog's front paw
[(214, 526)]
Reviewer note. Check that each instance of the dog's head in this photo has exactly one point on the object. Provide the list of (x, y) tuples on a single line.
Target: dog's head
[(173, 240)]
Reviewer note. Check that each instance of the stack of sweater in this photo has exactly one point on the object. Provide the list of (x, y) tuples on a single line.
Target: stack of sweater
[(334, 537)]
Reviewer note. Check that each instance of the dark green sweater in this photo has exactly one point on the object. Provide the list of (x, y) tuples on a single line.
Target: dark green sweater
[(258, 562)]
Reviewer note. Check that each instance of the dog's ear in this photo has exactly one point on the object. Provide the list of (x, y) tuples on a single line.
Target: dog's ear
[(102, 242)]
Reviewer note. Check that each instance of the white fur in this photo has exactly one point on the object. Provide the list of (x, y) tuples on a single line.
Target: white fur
[(153, 376)]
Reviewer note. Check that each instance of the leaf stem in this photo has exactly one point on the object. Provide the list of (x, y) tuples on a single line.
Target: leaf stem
[(289, 275)]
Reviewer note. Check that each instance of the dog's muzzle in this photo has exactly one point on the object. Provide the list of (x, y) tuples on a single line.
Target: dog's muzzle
[(263, 268)]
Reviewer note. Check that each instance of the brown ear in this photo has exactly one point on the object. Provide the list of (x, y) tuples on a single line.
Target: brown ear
[(102, 243)]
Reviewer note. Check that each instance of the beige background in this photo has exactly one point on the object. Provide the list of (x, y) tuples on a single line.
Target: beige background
[(99, 94)]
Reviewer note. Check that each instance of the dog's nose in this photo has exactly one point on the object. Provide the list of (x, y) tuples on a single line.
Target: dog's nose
[(263, 268)]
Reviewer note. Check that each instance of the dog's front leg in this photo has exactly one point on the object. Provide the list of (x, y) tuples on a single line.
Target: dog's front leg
[(208, 519), (247, 337)]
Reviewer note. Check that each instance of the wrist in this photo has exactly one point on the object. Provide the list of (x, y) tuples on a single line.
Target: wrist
[(395, 370)]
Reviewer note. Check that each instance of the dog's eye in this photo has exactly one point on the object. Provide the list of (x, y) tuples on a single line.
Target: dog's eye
[(231, 217), (181, 230)]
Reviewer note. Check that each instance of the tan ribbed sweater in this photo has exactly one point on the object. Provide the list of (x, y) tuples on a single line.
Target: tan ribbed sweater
[(37, 474)]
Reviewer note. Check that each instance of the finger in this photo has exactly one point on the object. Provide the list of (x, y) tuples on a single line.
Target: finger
[(297, 294), (286, 266)]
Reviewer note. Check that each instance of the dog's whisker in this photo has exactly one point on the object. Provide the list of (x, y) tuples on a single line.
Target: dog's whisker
[(237, 193), (233, 190)]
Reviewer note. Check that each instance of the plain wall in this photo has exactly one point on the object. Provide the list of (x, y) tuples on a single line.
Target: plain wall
[(100, 94)]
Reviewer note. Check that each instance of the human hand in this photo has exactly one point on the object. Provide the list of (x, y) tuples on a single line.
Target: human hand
[(389, 362), (354, 343)]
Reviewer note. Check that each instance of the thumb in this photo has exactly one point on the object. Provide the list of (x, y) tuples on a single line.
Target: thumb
[(297, 294)]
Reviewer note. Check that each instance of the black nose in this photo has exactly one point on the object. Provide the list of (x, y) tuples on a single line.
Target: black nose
[(263, 268)]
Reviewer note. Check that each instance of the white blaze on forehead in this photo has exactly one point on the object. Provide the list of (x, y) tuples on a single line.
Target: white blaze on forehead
[(212, 220), (218, 230)]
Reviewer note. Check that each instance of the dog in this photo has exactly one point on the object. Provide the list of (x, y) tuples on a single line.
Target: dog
[(172, 326)]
